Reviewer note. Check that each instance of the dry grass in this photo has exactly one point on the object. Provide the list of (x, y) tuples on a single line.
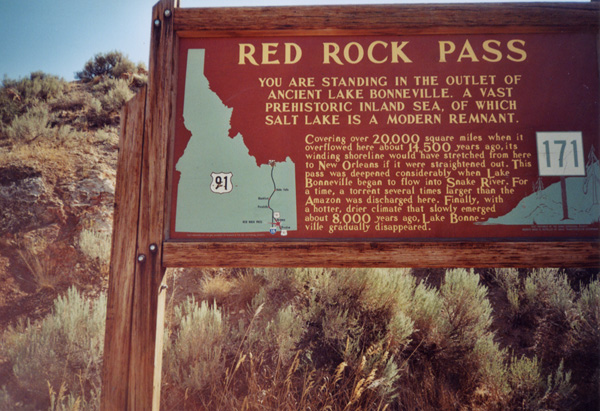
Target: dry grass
[(40, 156), (216, 288), (41, 267), (35, 256), (95, 244)]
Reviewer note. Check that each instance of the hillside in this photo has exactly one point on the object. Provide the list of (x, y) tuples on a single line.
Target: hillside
[(58, 153), (58, 150), (280, 339)]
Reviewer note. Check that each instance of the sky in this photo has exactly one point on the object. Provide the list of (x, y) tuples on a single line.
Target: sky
[(59, 36)]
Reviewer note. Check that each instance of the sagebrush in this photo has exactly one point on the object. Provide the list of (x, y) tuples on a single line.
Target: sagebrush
[(326, 339), (61, 353)]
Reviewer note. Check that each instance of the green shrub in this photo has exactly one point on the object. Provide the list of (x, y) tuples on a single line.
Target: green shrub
[(65, 136), (105, 85), (354, 318), (491, 371), (65, 348), (74, 101), (280, 286), (103, 109), (39, 86), (96, 115), (389, 287), (401, 327), (107, 135), (10, 105), (526, 383), (509, 281), (95, 106), (17, 96), (424, 309), (276, 331), (391, 293), (30, 126), (367, 339), (550, 307), (467, 313), (287, 328), (195, 358), (586, 321), (453, 352), (111, 64), (530, 390), (334, 309), (34, 126), (123, 67), (549, 288), (586, 343), (117, 96), (558, 389)]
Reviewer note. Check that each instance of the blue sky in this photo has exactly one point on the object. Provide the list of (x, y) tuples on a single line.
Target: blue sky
[(59, 36)]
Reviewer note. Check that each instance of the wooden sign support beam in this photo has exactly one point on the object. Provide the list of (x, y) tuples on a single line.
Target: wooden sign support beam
[(383, 254), (117, 342), (135, 314)]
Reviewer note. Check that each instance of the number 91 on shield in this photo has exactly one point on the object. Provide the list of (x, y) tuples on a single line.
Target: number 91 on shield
[(221, 183)]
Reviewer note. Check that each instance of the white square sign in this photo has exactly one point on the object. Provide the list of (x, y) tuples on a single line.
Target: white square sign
[(560, 153)]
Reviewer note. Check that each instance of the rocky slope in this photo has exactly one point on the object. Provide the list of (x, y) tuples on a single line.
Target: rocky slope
[(52, 189)]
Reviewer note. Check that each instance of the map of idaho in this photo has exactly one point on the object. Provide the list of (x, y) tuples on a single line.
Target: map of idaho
[(221, 188)]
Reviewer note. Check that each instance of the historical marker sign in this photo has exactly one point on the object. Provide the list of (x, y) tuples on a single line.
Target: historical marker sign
[(437, 136), (366, 137)]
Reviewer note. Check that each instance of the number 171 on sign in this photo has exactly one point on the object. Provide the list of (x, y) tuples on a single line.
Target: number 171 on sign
[(560, 153)]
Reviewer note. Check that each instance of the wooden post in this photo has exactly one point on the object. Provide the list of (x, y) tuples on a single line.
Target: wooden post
[(117, 338), (148, 299), (131, 377)]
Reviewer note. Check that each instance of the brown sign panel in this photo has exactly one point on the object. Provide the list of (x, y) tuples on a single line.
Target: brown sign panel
[(434, 136), (387, 137)]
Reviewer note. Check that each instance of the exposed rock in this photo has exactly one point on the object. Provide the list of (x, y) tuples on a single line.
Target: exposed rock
[(89, 191), (92, 199), (25, 202), (11, 174)]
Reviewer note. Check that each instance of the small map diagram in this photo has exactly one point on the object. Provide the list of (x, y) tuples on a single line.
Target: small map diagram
[(545, 205), (221, 188)]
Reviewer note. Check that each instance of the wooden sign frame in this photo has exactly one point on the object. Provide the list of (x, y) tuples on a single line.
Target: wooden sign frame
[(141, 250)]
